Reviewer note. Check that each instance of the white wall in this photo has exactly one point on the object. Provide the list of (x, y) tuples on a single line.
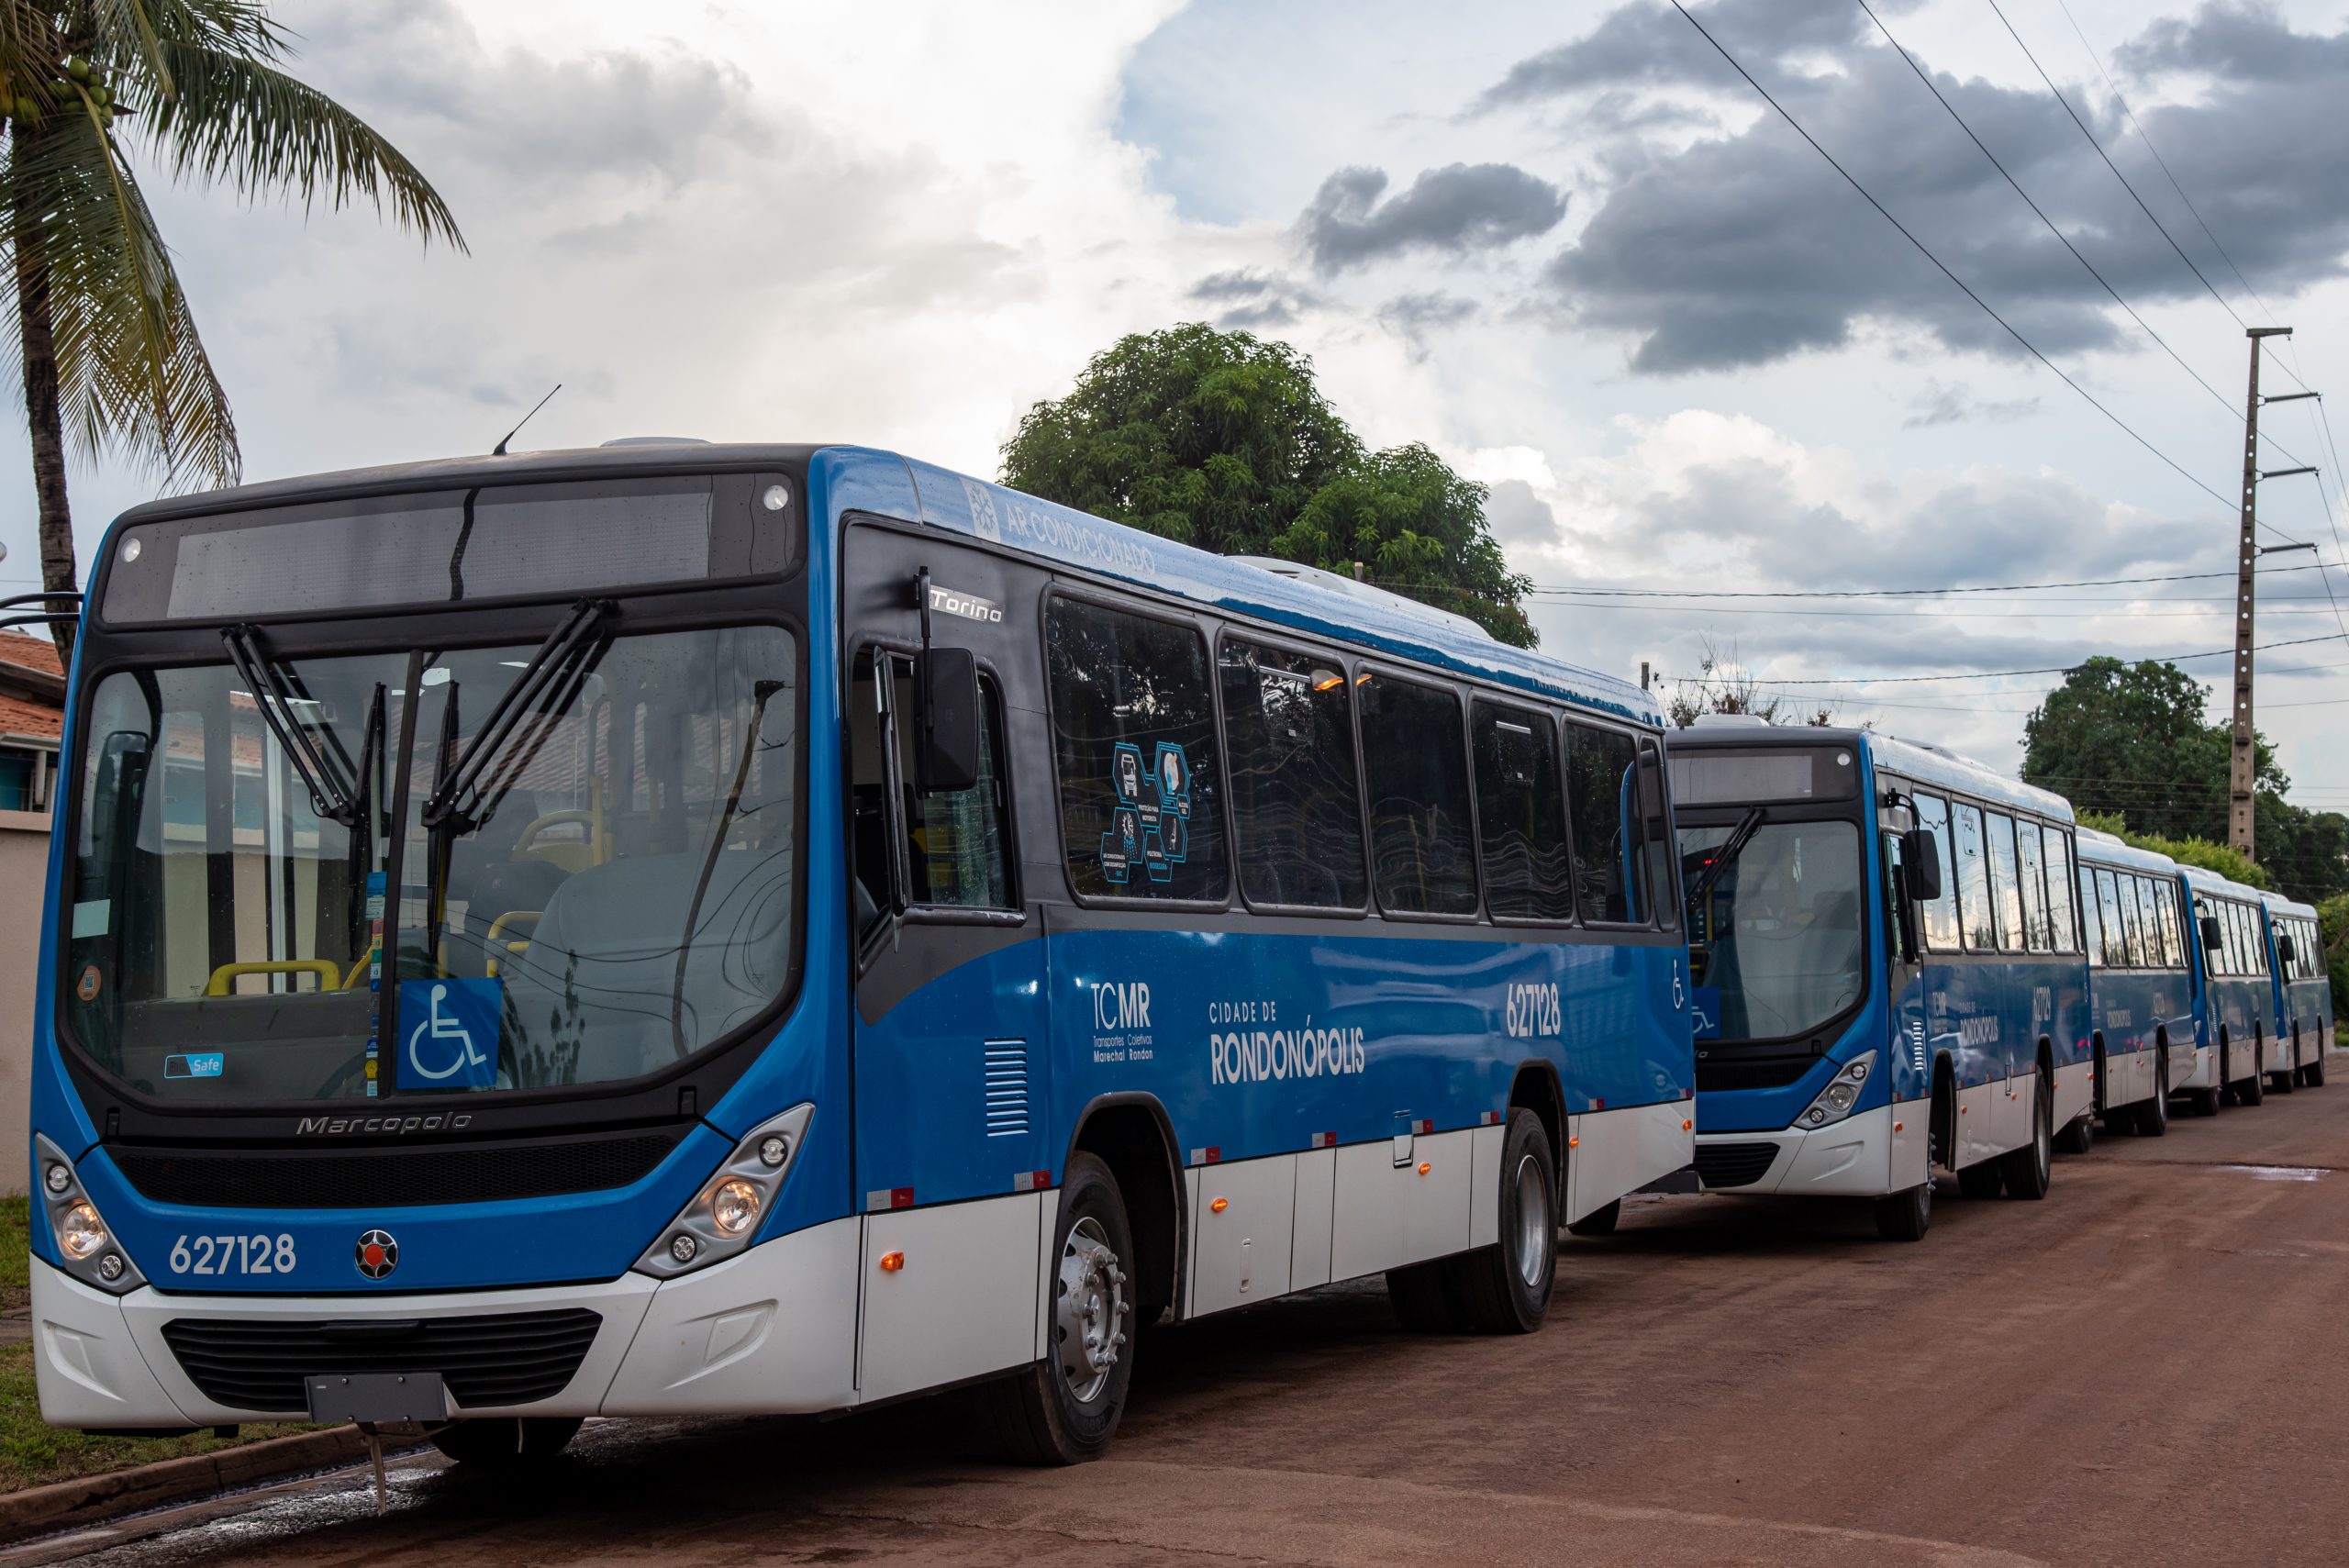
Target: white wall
[(24, 864)]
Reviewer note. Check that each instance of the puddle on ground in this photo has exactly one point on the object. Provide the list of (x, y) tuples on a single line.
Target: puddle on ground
[(2280, 1172)]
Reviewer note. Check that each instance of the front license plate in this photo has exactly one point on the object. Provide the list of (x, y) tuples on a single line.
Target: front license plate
[(378, 1398)]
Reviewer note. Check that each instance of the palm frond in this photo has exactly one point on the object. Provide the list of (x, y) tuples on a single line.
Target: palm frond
[(238, 120), (133, 375), (124, 34)]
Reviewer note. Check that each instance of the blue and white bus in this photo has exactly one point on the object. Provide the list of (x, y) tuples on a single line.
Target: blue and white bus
[(685, 928), (2235, 992), (2303, 994), (2141, 985), (1889, 968)]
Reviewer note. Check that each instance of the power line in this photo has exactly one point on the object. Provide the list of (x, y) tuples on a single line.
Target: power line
[(2004, 674), (1939, 265), (2041, 214), (1563, 589), (2111, 164)]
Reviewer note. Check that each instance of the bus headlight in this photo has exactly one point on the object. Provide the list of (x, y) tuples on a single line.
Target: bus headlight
[(1842, 1092), (87, 1247), (723, 1217)]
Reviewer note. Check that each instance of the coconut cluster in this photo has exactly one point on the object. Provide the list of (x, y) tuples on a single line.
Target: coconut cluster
[(79, 79)]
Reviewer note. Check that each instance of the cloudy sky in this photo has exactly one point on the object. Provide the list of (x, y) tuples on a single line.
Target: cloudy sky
[(1566, 245)]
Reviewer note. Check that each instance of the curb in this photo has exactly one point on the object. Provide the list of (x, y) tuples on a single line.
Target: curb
[(92, 1498)]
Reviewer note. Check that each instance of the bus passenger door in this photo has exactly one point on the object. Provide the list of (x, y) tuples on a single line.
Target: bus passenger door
[(953, 1152), (1908, 1042)]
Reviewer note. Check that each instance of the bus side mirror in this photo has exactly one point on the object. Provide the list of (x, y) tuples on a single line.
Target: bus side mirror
[(946, 753), (2283, 946), (2214, 937), (1920, 856)]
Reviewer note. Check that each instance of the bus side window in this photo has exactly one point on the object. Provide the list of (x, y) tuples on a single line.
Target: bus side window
[(2149, 910), (1422, 850), (1135, 734), (1942, 931), (1973, 864), (955, 848), (1521, 814), (1288, 730), (1657, 850), (2006, 883), (2091, 922), (2031, 860), (1599, 764), (2116, 935), (2063, 930)]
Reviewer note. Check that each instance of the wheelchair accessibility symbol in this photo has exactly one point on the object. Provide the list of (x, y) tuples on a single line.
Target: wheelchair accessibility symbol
[(452, 1041)]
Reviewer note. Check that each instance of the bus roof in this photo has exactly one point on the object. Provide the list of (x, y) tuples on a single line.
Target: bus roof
[(1379, 621), (2211, 882), (2280, 904), (2100, 847), (865, 479)]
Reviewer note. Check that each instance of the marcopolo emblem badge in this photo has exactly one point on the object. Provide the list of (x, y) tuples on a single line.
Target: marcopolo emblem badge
[(377, 1254)]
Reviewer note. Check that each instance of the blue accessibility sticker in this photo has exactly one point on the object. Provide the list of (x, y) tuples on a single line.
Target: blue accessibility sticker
[(452, 1033)]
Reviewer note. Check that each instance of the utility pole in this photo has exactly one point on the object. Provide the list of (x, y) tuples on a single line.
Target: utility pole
[(2242, 777)]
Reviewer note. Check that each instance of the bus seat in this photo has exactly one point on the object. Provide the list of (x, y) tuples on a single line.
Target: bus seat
[(609, 938)]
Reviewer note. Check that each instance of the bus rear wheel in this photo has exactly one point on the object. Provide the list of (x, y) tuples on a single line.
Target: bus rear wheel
[(1064, 1409), (2078, 1135), (2152, 1119), (1504, 1288), (2253, 1089), (2313, 1073), (507, 1442), (2031, 1168)]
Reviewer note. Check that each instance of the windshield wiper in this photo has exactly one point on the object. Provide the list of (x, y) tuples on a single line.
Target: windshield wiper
[(542, 685), (328, 796), (1723, 858)]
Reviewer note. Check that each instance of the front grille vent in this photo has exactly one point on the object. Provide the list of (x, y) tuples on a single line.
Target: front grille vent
[(1734, 1164), (390, 1178), (505, 1358), (1006, 1088)]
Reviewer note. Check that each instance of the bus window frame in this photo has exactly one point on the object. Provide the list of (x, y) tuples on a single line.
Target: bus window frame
[(1565, 796), (1243, 631), (1542, 712), (1083, 593), (916, 913), (1461, 695)]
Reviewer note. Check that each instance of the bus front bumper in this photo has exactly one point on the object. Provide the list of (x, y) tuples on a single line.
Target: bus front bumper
[(1852, 1158), (770, 1331)]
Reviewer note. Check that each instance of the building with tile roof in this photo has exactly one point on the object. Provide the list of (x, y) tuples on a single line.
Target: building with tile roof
[(32, 720)]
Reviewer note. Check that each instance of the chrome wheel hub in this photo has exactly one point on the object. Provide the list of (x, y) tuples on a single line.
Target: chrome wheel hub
[(1535, 1228), (1089, 1311)]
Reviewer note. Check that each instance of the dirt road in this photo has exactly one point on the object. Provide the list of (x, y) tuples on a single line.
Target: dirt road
[(2149, 1367)]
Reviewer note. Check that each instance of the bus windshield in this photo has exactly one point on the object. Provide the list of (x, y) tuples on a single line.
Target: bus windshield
[(1775, 939), (613, 890)]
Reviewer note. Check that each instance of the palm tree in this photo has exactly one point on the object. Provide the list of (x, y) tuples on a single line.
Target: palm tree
[(111, 352)]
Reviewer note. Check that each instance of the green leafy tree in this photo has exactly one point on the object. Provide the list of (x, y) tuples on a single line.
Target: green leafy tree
[(194, 88), (2332, 923), (2134, 742), (1224, 441)]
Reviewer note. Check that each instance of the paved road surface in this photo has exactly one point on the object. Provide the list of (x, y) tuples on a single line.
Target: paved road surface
[(2147, 1368)]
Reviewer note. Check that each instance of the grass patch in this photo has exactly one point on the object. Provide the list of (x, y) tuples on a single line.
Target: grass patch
[(33, 1452)]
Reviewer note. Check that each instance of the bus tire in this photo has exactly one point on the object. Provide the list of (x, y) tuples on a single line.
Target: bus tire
[(2208, 1101), (2030, 1169), (1983, 1180), (2253, 1089), (2153, 1115), (1599, 1221), (507, 1442), (1504, 1289), (1064, 1409), (1905, 1215), (2078, 1135), (2315, 1069)]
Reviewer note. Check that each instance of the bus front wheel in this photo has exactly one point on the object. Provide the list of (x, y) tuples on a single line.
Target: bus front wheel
[(1904, 1216), (1064, 1409), (2030, 1168)]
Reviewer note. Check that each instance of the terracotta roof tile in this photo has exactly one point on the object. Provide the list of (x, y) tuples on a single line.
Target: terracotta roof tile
[(36, 719), (32, 652)]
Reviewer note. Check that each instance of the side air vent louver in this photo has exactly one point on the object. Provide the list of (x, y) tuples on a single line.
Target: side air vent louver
[(1006, 1088), (503, 1358)]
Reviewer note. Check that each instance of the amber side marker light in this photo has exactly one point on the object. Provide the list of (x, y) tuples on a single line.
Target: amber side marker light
[(1220, 1204), (892, 1262), (1425, 1166)]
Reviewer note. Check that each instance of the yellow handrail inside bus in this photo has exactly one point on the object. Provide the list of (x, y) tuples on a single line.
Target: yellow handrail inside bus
[(228, 974), (497, 927), (584, 854)]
